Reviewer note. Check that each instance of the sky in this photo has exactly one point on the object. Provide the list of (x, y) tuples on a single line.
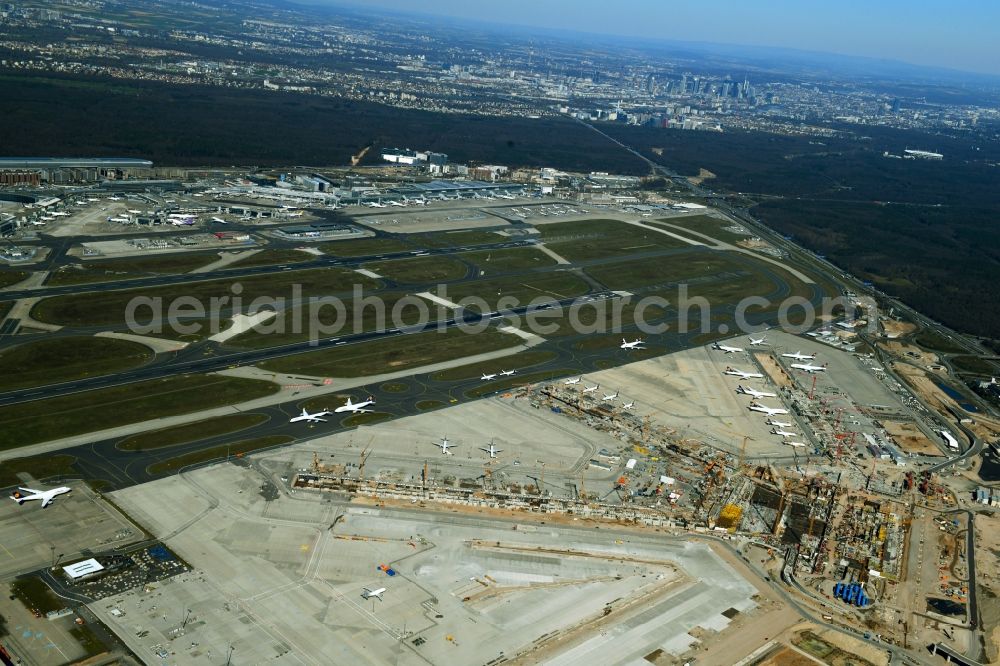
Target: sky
[(958, 34)]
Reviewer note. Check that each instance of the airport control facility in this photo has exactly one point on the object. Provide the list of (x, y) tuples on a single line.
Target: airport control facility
[(34, 171)]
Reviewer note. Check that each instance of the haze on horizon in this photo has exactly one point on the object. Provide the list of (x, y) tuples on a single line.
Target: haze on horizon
[(961, 36)]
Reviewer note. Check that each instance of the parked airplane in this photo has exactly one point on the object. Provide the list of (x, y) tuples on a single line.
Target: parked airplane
[(45, 495), (375, 204), (570, 382), (779, 424), (591, 389), (59, 213), (356, 408), (758, 341), (743, 375), (795, 444), (783, 433), (492, 450), (726, 348), (219, 220), (754, 392), (444, 445), (770, 411), (608, 398), (635, 344), (373, 594), (628, 405), (397, 204), (799, 356), (507, 373), (487, 378), (808, 367), (311, 418)]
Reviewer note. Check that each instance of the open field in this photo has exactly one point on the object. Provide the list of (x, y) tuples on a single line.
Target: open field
[(457, 238), (190, 432), (685, 268), (420, 270), (490, 262), (122, 269), (236, 449), (399, 353), (520, 289), (54, 360), (598, 239), (974, 364), (935, 341), (109, 307), (272, 257), (37, 467), (54, 418), (8, 278), (703, 224), (366, 246)]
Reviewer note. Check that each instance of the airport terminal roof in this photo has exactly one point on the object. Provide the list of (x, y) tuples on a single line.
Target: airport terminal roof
[(72, 162), (458, 186), (84, 568)]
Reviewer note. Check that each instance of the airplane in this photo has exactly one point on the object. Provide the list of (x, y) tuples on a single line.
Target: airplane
[(376, 204), (783, 433), (570, 382), (808, 367), (628, 405), (758, 341), (311, 418), (507, 373), (60, 213), (45, 495), (726, 348), (770, 411), (487, 377), (591, 389), (356, 408), (219, 220), (114, 198), (445, 445), (795, 444), (37, 223), (397, 204), (743, 375), (780, 424), (754, 392), (635, 344), (493, 451), (799, 356), (608, 398), (131, 211), (373, 594)]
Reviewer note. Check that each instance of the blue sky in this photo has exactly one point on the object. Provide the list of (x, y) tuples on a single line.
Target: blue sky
[(959, 34)]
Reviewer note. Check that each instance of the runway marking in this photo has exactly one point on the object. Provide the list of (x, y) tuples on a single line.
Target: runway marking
[(8, 552)]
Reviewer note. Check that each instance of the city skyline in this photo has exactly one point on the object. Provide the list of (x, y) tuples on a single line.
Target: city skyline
[(961, 39)]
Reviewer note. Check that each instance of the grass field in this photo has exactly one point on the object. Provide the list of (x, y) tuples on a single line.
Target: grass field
[(366, 246), (475, 370), (8, 278), (236, 449), (636, 273), (598, 239), (273, 257), (930, 339), (191, 432), (974, 364), (420, 270), (392, 355), (79, 413), (457, 238), (491, 262), (521, 288), (36, 595), (109, 307), (55, 360), (703, 224), (123, 269), (38, 467)]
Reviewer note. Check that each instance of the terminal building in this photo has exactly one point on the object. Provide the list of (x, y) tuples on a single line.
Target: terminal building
[(65, 170)]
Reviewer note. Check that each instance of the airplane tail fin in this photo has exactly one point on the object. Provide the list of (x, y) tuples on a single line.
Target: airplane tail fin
[(18, 497)]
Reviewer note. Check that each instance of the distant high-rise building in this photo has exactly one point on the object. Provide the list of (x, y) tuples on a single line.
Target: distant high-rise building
[(895, 105)]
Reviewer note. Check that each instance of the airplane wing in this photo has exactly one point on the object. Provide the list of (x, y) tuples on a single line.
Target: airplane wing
[(46, 501), (29, 490)]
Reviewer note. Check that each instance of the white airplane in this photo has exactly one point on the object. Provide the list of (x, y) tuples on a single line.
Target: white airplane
[(635, 344), (397, 204), (507, 373), (134, 211), (37, 223), (445, 445), (758, 341), (799, 356), (219, 220), (783, 433), (356, 408), (45, 495), (114, 198), (487, 377), (808, 367), (311, 418), (591, 389), (743, 375), (628, 405), (376, 204), (609, 398), (779, 424), (492, 450), (754, 392), (60, 213), (373, 594), (570, 382), (726, 348), (795, 444), (770, 411)]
